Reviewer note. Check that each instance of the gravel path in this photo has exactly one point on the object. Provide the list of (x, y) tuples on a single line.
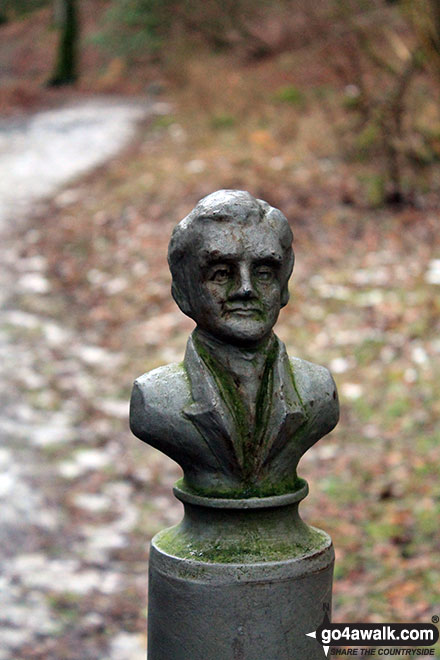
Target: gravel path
[(42, 152)]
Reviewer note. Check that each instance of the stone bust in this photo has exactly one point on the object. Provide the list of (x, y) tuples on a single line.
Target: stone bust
[(238, 413)]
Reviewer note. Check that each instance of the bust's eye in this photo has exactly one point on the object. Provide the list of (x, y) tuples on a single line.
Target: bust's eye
[(264, 273), (220, 275)]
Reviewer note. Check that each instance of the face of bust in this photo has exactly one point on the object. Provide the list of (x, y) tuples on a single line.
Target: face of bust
[(236, 287)]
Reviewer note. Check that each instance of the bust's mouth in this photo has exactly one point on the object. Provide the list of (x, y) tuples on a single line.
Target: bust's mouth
[(242, 311)]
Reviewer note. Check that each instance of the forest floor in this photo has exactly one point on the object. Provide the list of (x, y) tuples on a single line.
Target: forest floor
[(87, 306)]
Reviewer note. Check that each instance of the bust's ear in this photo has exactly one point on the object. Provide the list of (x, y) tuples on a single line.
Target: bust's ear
[(285, 295), (181, 300), (288, 268)]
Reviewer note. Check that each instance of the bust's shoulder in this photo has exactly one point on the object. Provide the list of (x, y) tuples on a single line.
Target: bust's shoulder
[(317, 390), (310, 377), (166, 386), (156, 404), (162, 377)]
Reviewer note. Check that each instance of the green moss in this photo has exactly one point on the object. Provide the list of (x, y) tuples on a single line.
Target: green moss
[(292, 374), (264, 396), (250, 445), (265, 489), (249, 547)]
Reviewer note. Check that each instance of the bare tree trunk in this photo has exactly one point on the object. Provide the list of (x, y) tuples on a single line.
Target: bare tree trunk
[(3, 14), (65, 72)]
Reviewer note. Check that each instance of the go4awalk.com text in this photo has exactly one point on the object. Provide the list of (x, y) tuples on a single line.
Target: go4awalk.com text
[(376, 639)]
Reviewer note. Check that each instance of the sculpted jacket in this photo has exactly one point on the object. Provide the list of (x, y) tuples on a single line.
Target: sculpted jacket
[(179, 410)]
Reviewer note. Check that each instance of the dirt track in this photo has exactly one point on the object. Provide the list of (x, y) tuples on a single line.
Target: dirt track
[(49, 567)]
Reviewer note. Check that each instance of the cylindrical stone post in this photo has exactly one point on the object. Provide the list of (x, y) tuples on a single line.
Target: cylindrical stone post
[(238, 580), (242, 577)]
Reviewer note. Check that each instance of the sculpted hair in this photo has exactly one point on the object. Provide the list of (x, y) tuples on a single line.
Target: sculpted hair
[(228, 206)]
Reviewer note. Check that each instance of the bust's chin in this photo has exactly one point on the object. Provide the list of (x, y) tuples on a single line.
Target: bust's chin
[(248, 334)]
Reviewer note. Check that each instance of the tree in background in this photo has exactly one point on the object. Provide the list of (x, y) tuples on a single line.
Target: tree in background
[(65, 72), (391, 121)]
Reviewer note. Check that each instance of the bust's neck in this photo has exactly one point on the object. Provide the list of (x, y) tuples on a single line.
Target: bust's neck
[(244, 365), (226, 352)]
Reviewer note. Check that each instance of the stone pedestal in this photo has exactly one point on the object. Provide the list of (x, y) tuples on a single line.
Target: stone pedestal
[(239, 580)]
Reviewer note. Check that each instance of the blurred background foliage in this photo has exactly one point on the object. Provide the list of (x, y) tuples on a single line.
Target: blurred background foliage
[(382, 54), (11, 9), (377, 83)]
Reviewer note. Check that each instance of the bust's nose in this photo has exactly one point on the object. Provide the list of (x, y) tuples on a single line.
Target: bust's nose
[(244, 288)]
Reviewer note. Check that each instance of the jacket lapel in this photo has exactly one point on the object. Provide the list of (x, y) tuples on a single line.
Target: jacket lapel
[(287, 412), (212, 418), (208, 412)]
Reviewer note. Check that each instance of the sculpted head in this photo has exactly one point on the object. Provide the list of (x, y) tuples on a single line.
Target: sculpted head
[(231, 259)]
